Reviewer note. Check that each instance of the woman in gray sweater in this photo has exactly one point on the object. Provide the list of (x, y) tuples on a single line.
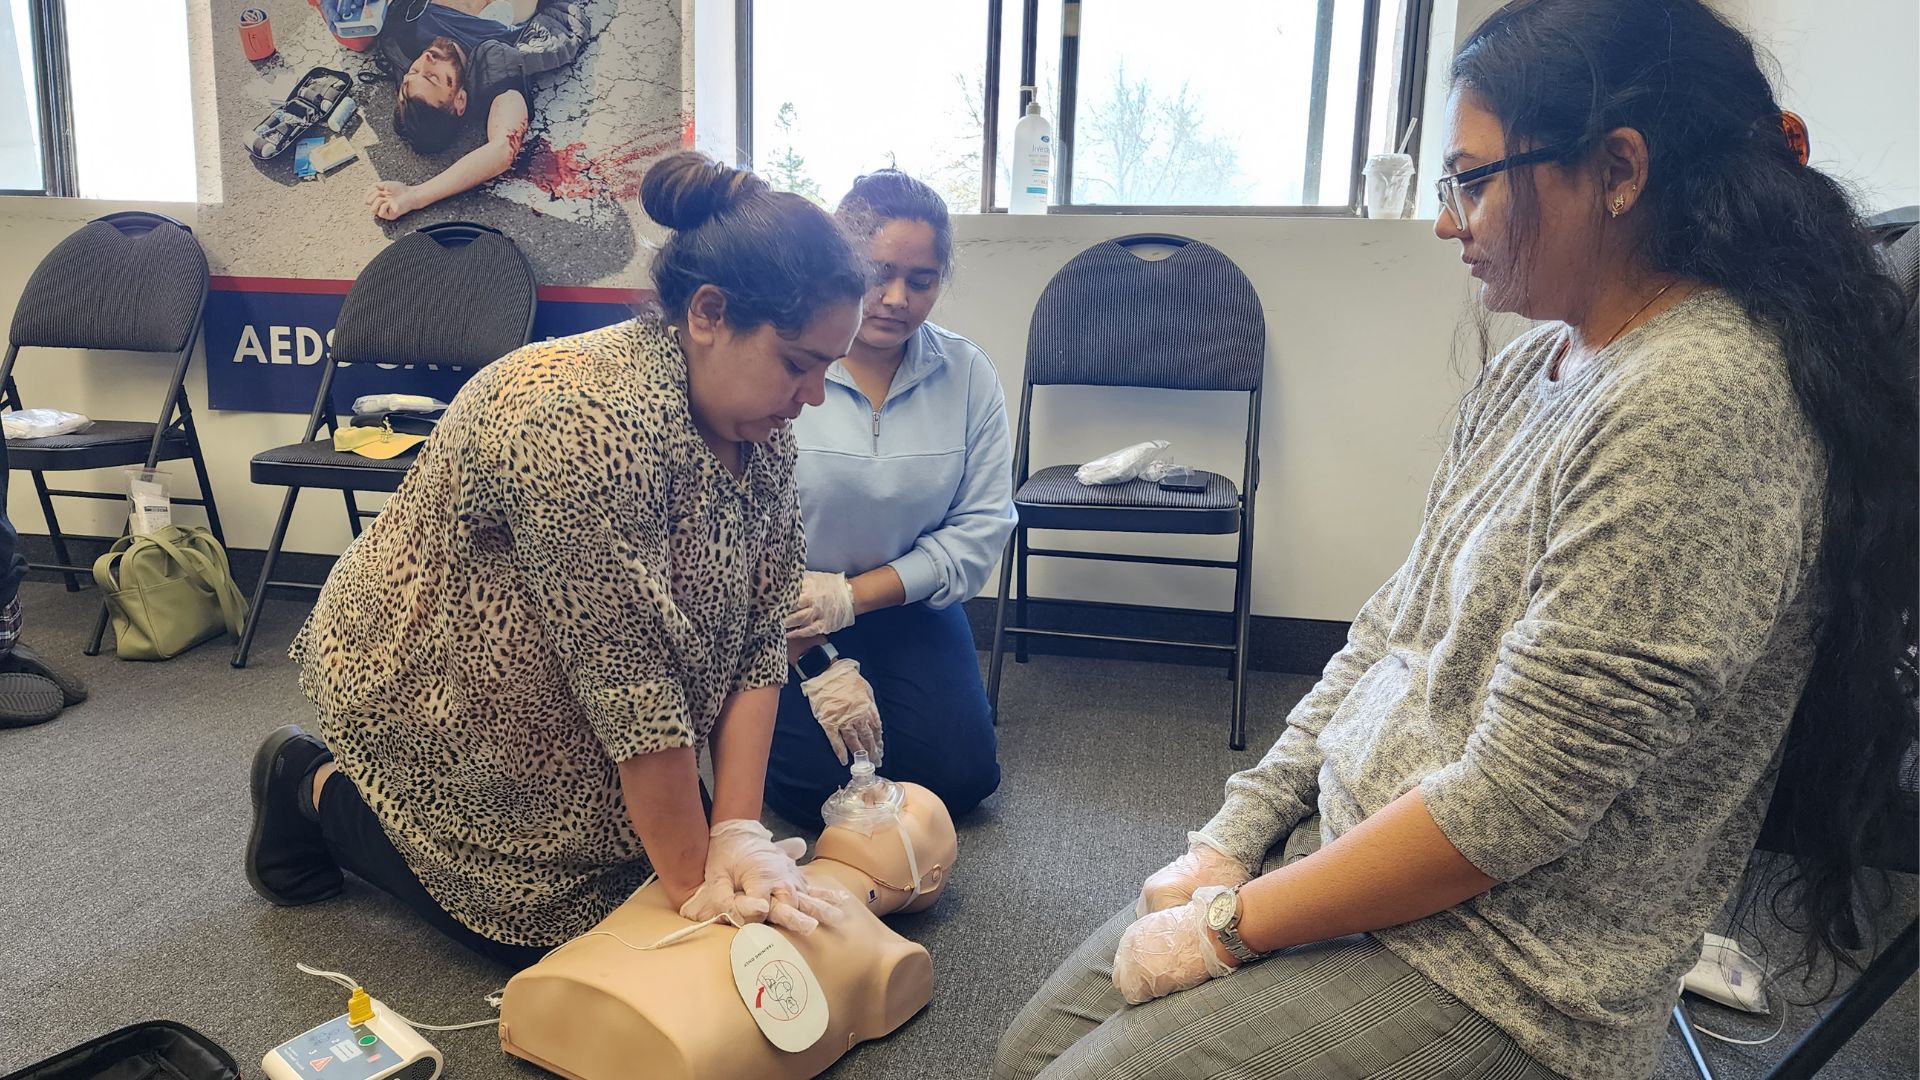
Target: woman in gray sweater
[(1661, 575)]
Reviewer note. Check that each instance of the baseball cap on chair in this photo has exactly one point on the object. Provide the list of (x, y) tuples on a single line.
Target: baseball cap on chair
[(379, 443)]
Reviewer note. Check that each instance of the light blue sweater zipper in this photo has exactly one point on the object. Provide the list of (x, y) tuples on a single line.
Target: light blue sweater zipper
[(923, 482)]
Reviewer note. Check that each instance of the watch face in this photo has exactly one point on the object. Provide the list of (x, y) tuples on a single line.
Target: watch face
[(1220, 910)]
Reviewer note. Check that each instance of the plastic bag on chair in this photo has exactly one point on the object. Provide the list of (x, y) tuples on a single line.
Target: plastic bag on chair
[(42, 423), (1143, 461)]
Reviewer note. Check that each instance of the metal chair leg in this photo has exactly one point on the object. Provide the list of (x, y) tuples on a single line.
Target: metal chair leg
[(1883, 978), (53, 528), (1020, 603), (99, 632), (100, 620), (1681, 1021), (353, 512), (260, 590), (206, 485), (999, 633), (1242, 618)]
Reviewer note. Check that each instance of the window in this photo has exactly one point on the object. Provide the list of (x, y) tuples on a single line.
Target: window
[(1258, 106), (96, 100), (843, 87)]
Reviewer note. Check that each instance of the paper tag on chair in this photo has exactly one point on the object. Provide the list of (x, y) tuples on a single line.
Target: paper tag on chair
[(778, 987)]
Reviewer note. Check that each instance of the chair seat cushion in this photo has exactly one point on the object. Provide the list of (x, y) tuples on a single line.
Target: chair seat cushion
[(1053, 499), (105, 444), (318, 464)]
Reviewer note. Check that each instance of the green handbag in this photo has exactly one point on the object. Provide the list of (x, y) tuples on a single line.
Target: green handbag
[(168, 591)]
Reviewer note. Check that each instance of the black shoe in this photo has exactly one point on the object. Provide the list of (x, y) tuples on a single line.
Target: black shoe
[(22, 658), (287, 858), (26, 700)]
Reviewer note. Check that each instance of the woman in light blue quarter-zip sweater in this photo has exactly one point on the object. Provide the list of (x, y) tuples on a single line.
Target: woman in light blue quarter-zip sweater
[(906, 496)]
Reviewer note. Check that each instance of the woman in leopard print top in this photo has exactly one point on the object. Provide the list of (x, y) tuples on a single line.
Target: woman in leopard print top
[(581, 583)]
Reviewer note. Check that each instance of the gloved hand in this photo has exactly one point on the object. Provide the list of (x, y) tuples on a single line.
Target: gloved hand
[(752, 879), (1173, 884), (825, 605), (843, 704), (1169, 951)]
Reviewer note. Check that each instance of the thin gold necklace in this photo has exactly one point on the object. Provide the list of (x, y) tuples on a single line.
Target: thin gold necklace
[(1567, 347)]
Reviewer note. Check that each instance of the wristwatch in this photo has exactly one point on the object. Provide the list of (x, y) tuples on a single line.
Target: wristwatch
[(815, 661), (1223, 918)]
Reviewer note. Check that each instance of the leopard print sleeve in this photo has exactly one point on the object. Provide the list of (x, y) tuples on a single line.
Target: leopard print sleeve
[(776, 589), (587, 507)]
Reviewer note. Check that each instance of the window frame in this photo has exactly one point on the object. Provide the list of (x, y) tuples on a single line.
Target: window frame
[(1406, 102), (53, 98)]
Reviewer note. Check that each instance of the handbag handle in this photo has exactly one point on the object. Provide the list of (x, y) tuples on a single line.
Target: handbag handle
[(219, 581), (105, 566)]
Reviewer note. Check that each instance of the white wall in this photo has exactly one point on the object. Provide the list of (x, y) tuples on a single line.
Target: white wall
[(1852, 72)]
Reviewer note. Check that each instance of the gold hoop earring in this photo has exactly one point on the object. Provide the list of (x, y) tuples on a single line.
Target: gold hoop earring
[(1619, 205)]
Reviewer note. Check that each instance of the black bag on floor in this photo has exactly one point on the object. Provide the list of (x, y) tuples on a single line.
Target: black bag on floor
[(156, 1050)]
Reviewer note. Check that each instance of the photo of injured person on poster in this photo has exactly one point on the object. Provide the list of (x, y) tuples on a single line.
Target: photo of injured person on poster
[(344, 123)]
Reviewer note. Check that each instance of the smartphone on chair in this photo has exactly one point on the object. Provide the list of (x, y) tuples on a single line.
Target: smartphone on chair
[(1181, 478)]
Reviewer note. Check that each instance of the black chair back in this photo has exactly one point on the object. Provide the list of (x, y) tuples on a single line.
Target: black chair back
[(1903, 259), (456, 294), (1190, 321), (132, 281)]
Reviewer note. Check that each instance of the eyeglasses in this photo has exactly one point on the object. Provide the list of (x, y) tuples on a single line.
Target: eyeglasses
[(1451, 187)]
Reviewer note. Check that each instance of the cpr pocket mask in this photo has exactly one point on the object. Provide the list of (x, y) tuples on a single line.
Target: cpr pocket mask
[(314, 99), (868, 803)]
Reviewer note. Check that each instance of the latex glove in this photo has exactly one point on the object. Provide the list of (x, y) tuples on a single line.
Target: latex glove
[(1169, 951), (752, 879), (825, 606), (1174, 883), (843, 703)]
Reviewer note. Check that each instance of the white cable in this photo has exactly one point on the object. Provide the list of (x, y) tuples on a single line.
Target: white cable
[(348, 982), (676, 936)]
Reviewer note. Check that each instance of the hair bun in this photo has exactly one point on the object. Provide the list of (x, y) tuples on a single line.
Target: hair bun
[(684, 190)]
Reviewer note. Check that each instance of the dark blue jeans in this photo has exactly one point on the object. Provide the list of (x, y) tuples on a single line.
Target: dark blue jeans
[(934, 719)]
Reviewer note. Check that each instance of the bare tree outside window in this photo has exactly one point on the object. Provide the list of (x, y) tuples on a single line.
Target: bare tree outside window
[(1144, 146)]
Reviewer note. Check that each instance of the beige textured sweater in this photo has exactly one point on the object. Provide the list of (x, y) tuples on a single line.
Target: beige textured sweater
[(1586, 664)]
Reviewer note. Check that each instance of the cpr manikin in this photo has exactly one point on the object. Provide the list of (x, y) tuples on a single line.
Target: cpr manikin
[(601, 1008)]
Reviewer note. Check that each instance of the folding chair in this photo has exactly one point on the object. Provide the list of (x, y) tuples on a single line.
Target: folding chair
[(455, 293), (126, 282), (1190, 321)]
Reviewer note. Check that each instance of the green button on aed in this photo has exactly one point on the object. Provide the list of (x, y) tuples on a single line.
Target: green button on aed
[(369, 1040)]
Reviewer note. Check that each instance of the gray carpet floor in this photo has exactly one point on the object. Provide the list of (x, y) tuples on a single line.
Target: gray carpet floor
[(123, 821)]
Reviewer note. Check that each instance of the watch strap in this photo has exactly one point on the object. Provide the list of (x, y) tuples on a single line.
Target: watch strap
[(1230, 939)]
